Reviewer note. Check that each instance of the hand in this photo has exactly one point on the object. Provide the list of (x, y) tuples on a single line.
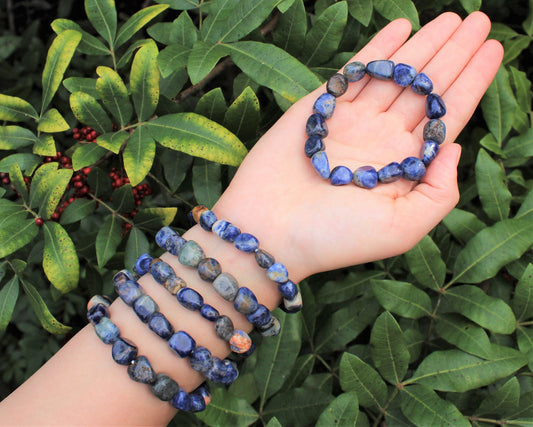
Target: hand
[(313, 226)]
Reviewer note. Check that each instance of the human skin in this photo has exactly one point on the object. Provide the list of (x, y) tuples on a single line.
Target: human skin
[(308, 224)]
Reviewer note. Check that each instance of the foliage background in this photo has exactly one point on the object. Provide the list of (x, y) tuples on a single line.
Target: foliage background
[(439, 336)]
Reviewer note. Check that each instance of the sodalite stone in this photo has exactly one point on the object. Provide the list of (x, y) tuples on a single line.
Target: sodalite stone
[(162, 236), (225, 230), (278, 273), (321, 164), (337, 85), (316, 125), (313, 145), (209, 269), (197, 211), (263, 258), (259, 317), (435, 107), (341, 175), (224, 328), (107, 331), (271, 329), (240, 342), (404, 74), (390, 173), (96, 313), (246, 242), (142, 265), (354, 71), (196, 402), (121, 277), (190, 299), (200, 359), (182, 343), (435, 130), (165, 388), (413, 169), (174, 284), (217, 371), (203, 390), (288, 289), (161, 271), (422, 84), (209, 312), (207, 219), (325, 105), (292, 305), (174, 244), (428, 152), (245, 302), (160, 325), (144, 307), (141, 371), (191, 254), (123, 351), (226, 286), (365, 177), (129, 292), (231, 372), (182, 401), (381, 69)]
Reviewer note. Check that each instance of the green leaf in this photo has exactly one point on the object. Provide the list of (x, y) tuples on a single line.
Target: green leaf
[(175, 167), (26, 162), (50, 190), (13, 109), (490, 143), (77, 210), (15, 137), (463, 224), (136, 245), (503, 401), (88, 111), (52, 121), (514, 47), (45, 145), (206, 182), (113, 141), (89, 44), (520, 146), (144, 81), (136, 22), (173, 58), (197, 136), (181, 4), (123, 199), (361, 10), (36, 189), (86, 155), (57, 61), (523, 295), (426, 264), (48, 321), (402, 298), (16, 232), (270, 66), (242, 117), (470, 5), (81, 84), (108, 239), (227, 410), (103, 17), (202, 59), (126, 56), (181, 31), (114, 95), (389, 348), (423, 406), (60, 260), (17, 180), (139, 155), (291, 29), (491, 249), (526, 209), (358, 376), (353, 285), (154, 218), (8, 299), (522, 88), (342, 411), (212, 105), (393, 9), (491, 186), (322, 40)]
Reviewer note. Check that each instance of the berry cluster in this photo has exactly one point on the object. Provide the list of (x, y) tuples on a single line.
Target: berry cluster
[(85, 133), (4, 178)]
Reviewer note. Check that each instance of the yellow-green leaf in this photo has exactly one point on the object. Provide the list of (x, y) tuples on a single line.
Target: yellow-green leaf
[(144, 81), (14, 109), (52, 187), (8, 299), (52, 121), (16, 232), (88, 111), (154, 218), (86, 155), (81, 84), (112, 141), (15, 174), (45, 145), (89, 44), (114, 94), (139, 155), (242, 116), (103, 16), (136, 22), (15, 137)]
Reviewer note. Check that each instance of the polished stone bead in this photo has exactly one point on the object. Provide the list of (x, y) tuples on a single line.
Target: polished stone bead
[(182, 343), (224, 328), (142, 265), (278, 273), (435, 130), (246, 242), (174, 244), (203, 390), (316, 125), (354, 71), (381, 69), (161, 271), (191, 254), (413, 169), (428, 152), (123, 351), (231, 371), (226, 286), (121, 277), (225, 230), (165, 388), (248, 353), (197, 403), (422, 84), (313, 145), (321, 164), (129, 292), (341, 175), (337, 85), (325, 105), (217, 371), (263, 258), (288, 289), (96, 313), (190, 299), (141, 371), (209, 312), (435, 107), (271, 329), (197, 211), (160, 325), (144, 307), (162, 236), (404, 74), (245, 301), (200, 359), (174, 284), (209, 269), (107, 331), (207, 219), (293, 305), (390, 173), (240, 341), (259, 317), (182, 401), (365, 177)]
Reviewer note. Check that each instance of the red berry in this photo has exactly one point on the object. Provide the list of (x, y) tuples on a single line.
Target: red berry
[(78, 184), (83, 190), (138, 202), (71, 199), (6, 180), (126, 180), (86, 171), (39, 221), (76, 136), (75, 130), (55, 216), (118, 182), (47, 159)]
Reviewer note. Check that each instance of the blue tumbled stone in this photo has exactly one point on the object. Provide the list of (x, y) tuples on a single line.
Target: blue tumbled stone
[(428, 152), (162, 236), (413, 169), (141, 371), (365, 177), (316, 125), (245, 302), (354, 71), (271, 329), (164, 388), (209, 312), (160, 325), (288, 289), (278, 273), (121, 277), (226, 286), (435, 107), (404, 74), (390, 173), (246, 242), (292, 305), (225, 230), (381, 69), (190, 299), (144, 307), (161, 271), (217, 371), (263, 258), (341, 175), (231, 371), (200, 359), (321, 164), (182, 401), (107, 331), (435, 130), (191, 254), (197, 403), (259, 317), (325, 105), (422, 84), (142, 265), (209, 269), (174, 244), (224, 328), (96, 313), (313, 145), (337, 84), (129, 292), (123, 351), (182, 343), (207, 219)]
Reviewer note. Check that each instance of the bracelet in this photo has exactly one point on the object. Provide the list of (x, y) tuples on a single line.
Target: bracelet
[(411, 168), (124, 352)]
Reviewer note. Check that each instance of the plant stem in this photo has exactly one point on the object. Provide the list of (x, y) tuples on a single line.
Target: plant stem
[(169, 191), (110, 209), (383, 411)]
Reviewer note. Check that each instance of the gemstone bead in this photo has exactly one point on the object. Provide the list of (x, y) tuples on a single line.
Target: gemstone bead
[(190, 299), (226, 286), (404, 74), (278, 273), (435, 130), (341, 175), (390, 173), (161, 271), (246, 242), (231, 371), (271, 329), (245, 301), (107, 331), (141, 371), (224, 328), (129, 292), (325, 105), (200, 359), (428, 152), (96, 313), (217, 371), (142, 265), (288, 289), (249, 352), (120, 277), (182, 343), (197, 211), (209, 269), (182, 401), (435, 107), (293, 305), (225, 230), (144, 307), (321, 164), (165, 388), (191, 254), (422, 84), (123, 351), (162, 236), (365, 177), (259, 317), (203, 390), (207, 219), (174, 244), (210, 313), (354, 71), (159, 324), (316, 125), (173, 284), (337, 85), (240, 342), (381, 69), (196, 403), (413, 169), (313, 145), (263, 258)]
